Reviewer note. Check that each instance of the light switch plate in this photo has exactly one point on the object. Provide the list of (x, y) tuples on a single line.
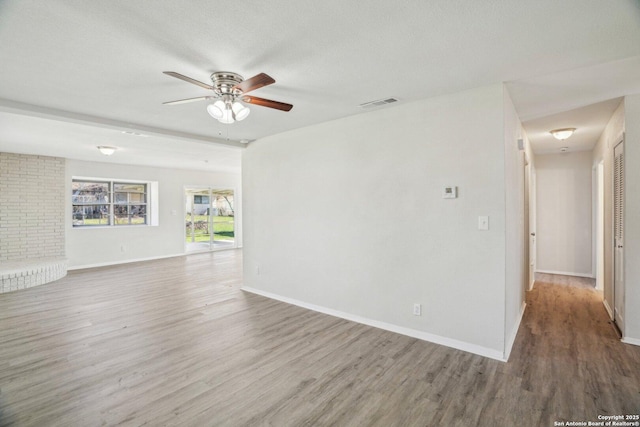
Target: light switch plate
[(483, 223)]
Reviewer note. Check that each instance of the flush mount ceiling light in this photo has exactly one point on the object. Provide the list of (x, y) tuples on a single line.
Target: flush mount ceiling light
[(107, 151), (562, 134), (230, 92)]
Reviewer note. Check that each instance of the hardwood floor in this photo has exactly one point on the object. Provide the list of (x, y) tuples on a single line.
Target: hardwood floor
[(176, 342)]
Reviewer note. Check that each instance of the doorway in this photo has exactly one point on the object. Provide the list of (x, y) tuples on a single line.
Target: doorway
[(209, 219)]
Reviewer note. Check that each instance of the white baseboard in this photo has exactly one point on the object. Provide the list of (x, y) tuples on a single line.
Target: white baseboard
[(566, 273), (414, 333), (606, 307), (126, 261), (633, 341), (514, 332)]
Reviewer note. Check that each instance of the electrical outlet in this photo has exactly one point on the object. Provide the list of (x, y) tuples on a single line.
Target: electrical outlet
[(417, 310), (123, 248), (257, 270)]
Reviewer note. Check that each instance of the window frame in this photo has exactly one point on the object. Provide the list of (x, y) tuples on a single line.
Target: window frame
[(202, 202), (111, 203)]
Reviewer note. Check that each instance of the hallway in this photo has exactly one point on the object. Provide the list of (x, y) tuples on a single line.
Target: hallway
[(569, 357)]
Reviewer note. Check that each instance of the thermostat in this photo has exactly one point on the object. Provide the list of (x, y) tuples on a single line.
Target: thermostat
[(450, 192)]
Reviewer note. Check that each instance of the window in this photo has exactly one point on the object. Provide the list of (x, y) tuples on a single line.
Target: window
[(106, 203), (130, 203), (90, 202), (200, 200)]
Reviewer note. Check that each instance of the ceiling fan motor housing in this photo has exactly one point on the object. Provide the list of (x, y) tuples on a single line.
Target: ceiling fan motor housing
[(224, 81)]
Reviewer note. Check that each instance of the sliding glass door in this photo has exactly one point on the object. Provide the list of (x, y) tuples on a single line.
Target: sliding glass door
[(223, 219), (209, 219)]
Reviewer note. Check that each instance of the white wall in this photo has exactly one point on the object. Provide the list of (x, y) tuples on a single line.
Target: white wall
[(632, 219), (101, 246), (348, 215), (515, 266), (603, 151), (564, 233)]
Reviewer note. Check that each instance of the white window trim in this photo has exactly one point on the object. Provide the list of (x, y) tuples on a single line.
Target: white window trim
[(153, 213)]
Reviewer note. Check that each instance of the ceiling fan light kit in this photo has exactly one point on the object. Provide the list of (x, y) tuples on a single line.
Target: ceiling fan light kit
[(227, 117), (229, 92), (240, 112), (216, 110)]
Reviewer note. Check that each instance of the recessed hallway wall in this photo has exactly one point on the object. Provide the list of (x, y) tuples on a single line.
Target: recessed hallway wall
[(564, 231)]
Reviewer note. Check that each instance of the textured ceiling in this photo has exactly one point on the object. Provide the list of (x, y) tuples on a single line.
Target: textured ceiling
[(104, 60)]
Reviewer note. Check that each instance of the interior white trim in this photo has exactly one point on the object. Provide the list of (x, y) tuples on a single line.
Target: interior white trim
[(425, 336), (514, 333), (30, 110), (633, 341), (124, 261), (606, 307), (565, 273), (127, 261)]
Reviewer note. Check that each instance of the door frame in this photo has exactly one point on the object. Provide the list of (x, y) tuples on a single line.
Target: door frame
[(530, 227), (527, 223), (210, 188), (598, 256), (618, 290)]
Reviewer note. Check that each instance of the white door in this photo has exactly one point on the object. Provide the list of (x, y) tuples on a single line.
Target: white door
[(600, 226), (532, 259), (526, 224), (532, 226), (618, 234)]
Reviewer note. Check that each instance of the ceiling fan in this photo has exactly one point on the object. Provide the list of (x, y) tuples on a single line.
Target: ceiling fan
[(229, 91)]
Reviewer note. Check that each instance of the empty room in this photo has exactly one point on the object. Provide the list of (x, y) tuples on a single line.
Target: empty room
[(320, 213)]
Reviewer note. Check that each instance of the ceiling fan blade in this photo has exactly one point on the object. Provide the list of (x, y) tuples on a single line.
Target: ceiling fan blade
[(184, 101), (267, 103), (187, 79), (255, 82)]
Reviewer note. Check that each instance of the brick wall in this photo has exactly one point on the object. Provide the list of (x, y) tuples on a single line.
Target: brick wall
[(32, 207)]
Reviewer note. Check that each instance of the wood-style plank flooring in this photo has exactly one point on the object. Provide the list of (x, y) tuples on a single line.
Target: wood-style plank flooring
[(176, 342)]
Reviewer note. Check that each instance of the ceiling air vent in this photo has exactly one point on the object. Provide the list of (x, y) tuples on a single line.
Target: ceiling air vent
[(378, 103)]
